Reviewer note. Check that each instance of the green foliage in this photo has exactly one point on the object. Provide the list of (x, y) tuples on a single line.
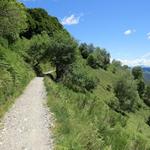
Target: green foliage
[(115, 66), (103, 58), (84, 122), (92, 61), (12, 19), (37, 51), (38, 21), (100, 58), (147, 96), (3, 42), (14, 76), (80, 81), (125, 91), (61, 53), (90, 115), (73, 132), (33, 51), (141, 87), (85, 49), (137, 73)]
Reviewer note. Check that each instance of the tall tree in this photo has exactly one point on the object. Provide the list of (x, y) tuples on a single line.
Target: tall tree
[(62, 52), (37, 50), (12, 19), (39, 20), (137, 73), (126, 92), (147, 95), (85, 49), (100, 58)]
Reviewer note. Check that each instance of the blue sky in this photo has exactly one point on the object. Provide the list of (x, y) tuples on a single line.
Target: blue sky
[(120, 26)]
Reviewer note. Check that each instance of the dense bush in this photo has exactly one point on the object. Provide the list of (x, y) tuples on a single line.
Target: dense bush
[(137, 72), (86, 49), (100, 58), (33, 51), (80, 102), (62, 54), (141, 87), (147, 96), (92, 61), (38, 21), (115, 66), (125, 91), (80, 81), (12, 19), (84, 122), (14, 75)]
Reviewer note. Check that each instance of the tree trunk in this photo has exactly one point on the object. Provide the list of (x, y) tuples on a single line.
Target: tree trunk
[(37, 70), (60, 70)]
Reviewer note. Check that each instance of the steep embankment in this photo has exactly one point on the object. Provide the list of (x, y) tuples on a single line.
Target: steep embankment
[(88, 121), (15, 74), (26, 125)]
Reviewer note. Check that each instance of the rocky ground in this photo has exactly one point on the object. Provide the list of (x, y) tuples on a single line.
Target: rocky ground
[(27, 124)]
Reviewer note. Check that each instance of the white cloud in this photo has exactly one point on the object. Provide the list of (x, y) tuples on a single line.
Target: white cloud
[(129, 31), (71, 20), (142, 61), (148, 35)]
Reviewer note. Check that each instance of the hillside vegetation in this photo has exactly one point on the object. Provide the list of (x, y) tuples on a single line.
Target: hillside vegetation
[(25, 36), (98, 104), (14, 76), (99, 109)]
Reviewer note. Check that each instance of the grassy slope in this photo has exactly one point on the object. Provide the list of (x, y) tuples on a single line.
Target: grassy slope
[(94, 126), (14, 76)]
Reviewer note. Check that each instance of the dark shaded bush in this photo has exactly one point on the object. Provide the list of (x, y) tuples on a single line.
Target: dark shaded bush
[(62, 52), (38, 21), (79, 81), (148, 121), (86, 49), (100, 58), (14, 74), (141, 87), (147, 96), (137, 72), (126, 91), (92, 62), (3, 42)]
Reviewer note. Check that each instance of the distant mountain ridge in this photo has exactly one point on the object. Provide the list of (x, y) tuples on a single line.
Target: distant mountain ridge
[(146, 71)]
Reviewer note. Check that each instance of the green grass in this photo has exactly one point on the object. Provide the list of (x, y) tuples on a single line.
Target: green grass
[(84, 121), (15, 74)]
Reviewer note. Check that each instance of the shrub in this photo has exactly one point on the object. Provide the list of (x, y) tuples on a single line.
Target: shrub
[(80, 81), (137, 73), (86, 50), (147, 96), (14, 75), (140, 87), (126, 92), (92, 62), (100, 58), (62, 51)]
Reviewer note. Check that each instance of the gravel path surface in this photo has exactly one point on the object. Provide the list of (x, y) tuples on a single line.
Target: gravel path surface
[(27, 125)]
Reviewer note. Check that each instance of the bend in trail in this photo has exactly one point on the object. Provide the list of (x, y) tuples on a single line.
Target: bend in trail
[(26, 125)]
